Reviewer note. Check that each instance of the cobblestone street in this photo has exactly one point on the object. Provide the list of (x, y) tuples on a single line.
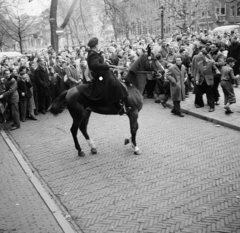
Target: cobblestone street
[(187, 178)]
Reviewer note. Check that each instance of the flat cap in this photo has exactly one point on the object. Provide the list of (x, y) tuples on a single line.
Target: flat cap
[(93, 42)]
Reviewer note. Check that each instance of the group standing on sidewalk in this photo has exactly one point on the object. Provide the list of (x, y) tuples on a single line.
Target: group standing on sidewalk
[(186, 62)]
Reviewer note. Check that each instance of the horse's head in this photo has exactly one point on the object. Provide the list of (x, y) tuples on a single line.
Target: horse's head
[(145, 65)]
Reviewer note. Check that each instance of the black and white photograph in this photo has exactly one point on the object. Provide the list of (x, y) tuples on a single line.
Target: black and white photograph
[(120, 116)]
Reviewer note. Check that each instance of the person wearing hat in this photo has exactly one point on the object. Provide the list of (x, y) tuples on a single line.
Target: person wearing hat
[(106, 87)]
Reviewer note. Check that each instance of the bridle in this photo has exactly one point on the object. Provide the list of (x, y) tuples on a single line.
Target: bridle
[(150, 61)]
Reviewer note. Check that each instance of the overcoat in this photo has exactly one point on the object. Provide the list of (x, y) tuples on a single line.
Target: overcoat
[(234, 52), (176, 78), (11, 93), (24, 87), (43, 82), (207, 73), (105, 85)]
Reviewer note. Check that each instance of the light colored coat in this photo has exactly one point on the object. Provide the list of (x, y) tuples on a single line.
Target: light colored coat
[(177, 78), (208, 74)]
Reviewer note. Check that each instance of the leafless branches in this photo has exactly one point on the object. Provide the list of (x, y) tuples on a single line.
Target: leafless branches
[(15, 25)]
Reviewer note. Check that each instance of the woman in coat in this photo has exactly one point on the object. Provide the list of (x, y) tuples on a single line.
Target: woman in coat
[(177, 75)]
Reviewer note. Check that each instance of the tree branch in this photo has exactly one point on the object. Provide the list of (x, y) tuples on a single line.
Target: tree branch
[(70, 11)]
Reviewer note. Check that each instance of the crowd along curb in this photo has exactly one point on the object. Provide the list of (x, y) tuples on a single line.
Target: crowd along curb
[(205, 118), (44, 192)]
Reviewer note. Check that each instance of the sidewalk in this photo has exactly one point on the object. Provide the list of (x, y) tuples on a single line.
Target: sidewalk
[(218, 116), (22, 208)]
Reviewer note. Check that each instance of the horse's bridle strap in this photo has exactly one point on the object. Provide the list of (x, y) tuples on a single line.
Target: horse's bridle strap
[(143, 72)]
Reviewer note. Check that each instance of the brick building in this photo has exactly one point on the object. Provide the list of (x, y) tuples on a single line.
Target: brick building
[(199, 15)]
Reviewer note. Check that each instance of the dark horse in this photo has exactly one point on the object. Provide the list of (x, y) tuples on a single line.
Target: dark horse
[(80, 106)]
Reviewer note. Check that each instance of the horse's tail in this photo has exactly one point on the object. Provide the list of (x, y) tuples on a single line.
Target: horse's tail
[(57, 105)]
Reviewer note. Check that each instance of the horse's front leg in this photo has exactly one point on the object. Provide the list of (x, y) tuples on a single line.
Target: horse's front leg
[(76, 116), (133, 117), (83, 128)]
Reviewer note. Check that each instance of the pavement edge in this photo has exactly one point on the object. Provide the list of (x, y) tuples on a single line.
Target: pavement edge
[(205, 118), (47, 196)]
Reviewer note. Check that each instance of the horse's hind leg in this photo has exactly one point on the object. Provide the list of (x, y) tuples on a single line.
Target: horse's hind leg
[(74, 129), (133, 117), (83, 128)]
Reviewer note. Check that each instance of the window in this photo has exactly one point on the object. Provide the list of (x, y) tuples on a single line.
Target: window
[(221, 9), (238, 9), (232, 10)]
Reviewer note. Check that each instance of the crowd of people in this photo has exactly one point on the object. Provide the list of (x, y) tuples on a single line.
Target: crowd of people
[(189, 62)]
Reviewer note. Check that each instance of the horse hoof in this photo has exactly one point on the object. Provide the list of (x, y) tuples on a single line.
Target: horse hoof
[(93, 151), (137, 152), (126, 141), (81, 154)]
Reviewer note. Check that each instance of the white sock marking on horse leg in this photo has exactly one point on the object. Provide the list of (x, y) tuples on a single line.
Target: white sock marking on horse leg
[(91, 143), (136, 149)]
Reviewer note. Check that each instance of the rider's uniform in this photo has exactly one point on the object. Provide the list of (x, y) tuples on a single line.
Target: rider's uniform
[(105, 84)]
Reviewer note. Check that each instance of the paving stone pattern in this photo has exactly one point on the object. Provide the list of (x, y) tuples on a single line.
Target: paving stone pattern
[(187, 178), (21, 208)]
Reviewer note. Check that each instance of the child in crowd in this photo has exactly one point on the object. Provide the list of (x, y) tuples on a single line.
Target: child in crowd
[(227, 80)]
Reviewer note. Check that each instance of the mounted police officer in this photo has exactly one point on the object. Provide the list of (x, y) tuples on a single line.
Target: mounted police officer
[(105, 84)]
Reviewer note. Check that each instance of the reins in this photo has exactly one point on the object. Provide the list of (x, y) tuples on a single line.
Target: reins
[(143, 72)]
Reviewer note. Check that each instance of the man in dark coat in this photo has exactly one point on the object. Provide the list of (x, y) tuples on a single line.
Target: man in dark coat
[(60, 71), (34, 85), (216, 55), (234, 52), (105, 85), (12, 97), (43, 84)]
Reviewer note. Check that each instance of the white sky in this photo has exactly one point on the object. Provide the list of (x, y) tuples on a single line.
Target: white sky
[(35, 7)]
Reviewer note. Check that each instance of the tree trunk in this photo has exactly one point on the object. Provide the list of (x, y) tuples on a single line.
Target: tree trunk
[(20, 46), (70, 11), (53, 24), (76, 28), (71, 34)]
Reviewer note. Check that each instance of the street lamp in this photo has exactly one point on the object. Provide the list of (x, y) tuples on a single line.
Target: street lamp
[(162, 21)]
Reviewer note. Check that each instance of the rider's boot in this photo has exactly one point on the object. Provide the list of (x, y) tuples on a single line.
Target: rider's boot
[(121, 108)]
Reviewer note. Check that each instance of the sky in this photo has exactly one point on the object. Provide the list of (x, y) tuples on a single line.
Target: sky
[(35, 7)]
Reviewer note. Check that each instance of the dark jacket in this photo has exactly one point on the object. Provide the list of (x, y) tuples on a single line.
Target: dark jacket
[(32, 76), (42, 81), (59, 70), (114, 59), (234, 51), (24, 87), (11, 93), (105, 84)]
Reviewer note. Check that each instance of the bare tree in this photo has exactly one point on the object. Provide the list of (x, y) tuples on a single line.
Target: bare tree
[(15, 25), (119, 14), (185, 13), (4, 39), (53, 21)]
